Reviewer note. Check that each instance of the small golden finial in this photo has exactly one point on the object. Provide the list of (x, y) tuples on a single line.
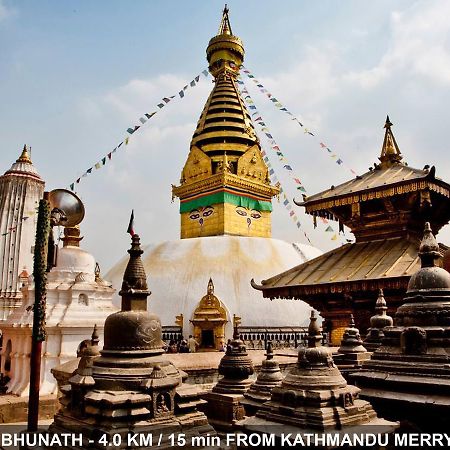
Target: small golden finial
[(390, 153), (225, 26), (210, 288), (24, 157)]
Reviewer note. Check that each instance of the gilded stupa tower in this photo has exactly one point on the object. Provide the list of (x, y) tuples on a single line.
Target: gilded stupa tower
[(21, 187), (225, 186)]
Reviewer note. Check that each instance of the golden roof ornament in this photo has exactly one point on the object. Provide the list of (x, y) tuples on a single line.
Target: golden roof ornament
[(225, 26), (390, 153), (225, 51), (24, 157)]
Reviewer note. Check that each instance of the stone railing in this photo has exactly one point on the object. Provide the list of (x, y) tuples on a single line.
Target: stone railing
[(256, 338)]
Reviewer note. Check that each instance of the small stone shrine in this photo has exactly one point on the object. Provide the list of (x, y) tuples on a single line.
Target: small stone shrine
[(408, 377), (380, 320), (225, 400), (269, 377), (129, 386), (352, 352), (315, 397)]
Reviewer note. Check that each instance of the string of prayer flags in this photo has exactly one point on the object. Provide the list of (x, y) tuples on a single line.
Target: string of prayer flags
[(299, 185), (339, 161), (273, 144), (132, 129)]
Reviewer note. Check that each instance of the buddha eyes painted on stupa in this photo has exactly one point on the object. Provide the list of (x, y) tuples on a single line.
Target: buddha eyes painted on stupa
[(200, 214), (248, 213)]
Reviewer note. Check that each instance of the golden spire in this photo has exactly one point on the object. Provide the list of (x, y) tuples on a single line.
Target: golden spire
[(24, 157), (225, 52), (225, 26), (225, 124), (225, 169), (390, 153)]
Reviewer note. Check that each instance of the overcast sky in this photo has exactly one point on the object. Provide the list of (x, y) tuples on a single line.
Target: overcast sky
[(74, 75)]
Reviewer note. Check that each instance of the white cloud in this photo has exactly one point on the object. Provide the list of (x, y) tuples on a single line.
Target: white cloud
[(419, 45)]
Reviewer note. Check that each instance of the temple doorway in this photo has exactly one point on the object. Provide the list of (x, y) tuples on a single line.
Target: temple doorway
[(207, 339), (209, 321)]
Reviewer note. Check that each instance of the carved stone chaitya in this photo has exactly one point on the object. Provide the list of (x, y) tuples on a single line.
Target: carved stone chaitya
[(314, 396), (379, 321), (225, 400), (129, 385), (270, 376), (351, 352), (408, 377)]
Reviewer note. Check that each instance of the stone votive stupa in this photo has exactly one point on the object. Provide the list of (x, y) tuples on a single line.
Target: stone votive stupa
[(315, 397), (129, 385), (377, 322), (225, 400), (270, 376), (408, 377), (351, 352)]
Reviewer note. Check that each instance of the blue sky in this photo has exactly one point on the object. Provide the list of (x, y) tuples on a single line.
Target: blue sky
[(74, 75)]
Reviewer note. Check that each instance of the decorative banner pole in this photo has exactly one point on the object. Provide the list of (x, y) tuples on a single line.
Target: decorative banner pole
[(58, 207), (43, 230)]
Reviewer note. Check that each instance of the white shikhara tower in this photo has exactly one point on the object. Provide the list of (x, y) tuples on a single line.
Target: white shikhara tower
[(21, 188)]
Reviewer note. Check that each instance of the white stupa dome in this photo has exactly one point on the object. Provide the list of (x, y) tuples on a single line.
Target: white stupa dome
[(72, 261), (178, 273)]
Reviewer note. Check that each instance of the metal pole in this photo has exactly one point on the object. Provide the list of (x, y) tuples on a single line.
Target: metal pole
[(40, 280)]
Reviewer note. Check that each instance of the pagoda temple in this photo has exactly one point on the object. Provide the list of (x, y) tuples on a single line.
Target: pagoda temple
[(386, 209)]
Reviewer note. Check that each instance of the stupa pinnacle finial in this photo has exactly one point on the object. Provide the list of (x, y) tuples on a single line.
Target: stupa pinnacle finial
[(94, 338), (269, 351), (429, 248), (210, 289), (225, 51), (134, 290), (225, 26), (380, 319), (24, 157), (352, 321), (314, 334), (390, 153)]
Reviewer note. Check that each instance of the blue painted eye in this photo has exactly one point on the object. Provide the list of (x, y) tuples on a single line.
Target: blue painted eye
[(255, 214), (208, 212), (241, 212)]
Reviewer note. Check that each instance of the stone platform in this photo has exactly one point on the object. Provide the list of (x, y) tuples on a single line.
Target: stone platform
[(14, 409), (201, 367)]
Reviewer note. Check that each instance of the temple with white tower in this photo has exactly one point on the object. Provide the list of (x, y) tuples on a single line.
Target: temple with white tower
[(21, 188)]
